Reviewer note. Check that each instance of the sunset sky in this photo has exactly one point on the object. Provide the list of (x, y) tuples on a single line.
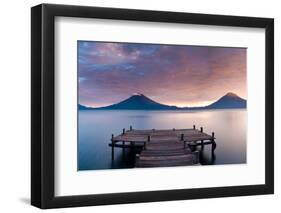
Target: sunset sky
[(178, 75)]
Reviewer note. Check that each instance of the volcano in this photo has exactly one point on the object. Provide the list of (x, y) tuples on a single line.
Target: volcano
[(228, 101), (140, 102)]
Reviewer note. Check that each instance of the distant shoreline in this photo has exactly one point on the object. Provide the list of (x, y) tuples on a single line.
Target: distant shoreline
[(198, 109), (141, 102)]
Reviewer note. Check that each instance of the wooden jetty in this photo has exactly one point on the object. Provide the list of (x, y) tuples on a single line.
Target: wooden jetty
[(165, 147)]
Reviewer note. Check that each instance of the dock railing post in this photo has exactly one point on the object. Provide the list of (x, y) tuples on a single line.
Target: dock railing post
[(112, 147), (182, 139), (145, 143)]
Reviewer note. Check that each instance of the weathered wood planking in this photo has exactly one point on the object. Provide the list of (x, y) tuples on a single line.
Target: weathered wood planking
[(142, 135), (162, 148)]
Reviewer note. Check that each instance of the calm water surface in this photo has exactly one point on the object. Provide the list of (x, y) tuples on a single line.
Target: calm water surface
[(96, 127)]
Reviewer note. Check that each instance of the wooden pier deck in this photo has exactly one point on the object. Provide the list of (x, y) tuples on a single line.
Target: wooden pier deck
[(163, 148)]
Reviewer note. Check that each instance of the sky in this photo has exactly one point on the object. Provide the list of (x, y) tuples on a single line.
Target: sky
[(178, 75)]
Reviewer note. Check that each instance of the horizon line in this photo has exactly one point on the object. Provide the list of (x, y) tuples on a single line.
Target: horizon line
[(171, 105)]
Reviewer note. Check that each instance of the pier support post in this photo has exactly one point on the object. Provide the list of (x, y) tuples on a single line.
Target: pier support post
[(196, 157), (112, 147), (132, 146), (214, 145), (123, 149)]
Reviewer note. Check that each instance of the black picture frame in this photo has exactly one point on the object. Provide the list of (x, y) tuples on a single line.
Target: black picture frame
[(43, 110)]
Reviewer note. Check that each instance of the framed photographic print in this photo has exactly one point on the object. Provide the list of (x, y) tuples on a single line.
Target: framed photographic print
[(140, 106)]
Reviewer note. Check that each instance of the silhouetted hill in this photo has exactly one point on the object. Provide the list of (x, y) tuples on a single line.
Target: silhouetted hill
[(141, 102), (81, 107), (228, 101)]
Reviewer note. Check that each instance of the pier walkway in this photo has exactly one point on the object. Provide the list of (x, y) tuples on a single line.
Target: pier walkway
[(162, 148)]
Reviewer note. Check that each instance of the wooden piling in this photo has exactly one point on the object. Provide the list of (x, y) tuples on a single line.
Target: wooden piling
[(214, 145), (112, 147), (196, 157), (132, 146)]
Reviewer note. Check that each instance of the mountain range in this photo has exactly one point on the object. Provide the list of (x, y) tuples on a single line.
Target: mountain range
[(141, 102)]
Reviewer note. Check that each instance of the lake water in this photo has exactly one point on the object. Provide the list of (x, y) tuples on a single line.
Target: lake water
[(96, 127)]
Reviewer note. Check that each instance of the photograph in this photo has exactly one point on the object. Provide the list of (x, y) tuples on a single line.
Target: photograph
[(139, 105), (146, 105)]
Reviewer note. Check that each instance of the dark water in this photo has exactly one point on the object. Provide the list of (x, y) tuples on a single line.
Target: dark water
[(96, 127)]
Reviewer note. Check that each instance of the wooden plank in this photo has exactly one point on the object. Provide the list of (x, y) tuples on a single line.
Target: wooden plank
[(118, 145), (164, 149)]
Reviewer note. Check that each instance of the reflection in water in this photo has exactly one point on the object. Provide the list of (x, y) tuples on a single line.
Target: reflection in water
[(96, 127)]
